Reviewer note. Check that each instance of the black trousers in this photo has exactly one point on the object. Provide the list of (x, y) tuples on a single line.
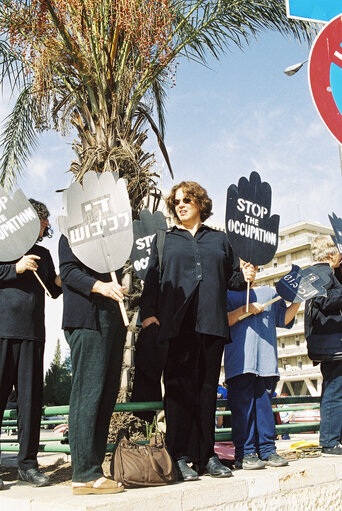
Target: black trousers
[(191, 377), (96, 357), (21, 365)]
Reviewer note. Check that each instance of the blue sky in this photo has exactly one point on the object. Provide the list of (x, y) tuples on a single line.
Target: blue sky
[(240, 115)]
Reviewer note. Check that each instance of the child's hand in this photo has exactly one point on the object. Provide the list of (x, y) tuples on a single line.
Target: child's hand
[(255, 308)]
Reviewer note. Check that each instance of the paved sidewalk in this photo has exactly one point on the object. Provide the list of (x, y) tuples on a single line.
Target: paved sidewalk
[(305, 485)]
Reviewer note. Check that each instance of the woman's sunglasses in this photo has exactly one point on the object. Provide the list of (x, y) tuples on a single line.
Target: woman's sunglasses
[(185, 200)]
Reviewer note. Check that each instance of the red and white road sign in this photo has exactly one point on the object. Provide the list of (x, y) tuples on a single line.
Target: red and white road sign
[(325, 76)]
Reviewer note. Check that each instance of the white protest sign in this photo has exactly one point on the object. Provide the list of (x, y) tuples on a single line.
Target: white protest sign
[(19, 225), (98, 223)]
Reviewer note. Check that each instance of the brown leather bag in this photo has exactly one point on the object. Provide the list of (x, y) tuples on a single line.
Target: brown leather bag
[(136, 465)]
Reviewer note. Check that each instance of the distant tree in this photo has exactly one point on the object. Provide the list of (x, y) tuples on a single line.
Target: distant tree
[(57, 385)]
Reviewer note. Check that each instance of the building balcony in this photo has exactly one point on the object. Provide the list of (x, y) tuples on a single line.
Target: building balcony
[(297, 242), (293, 351), (281, 269)]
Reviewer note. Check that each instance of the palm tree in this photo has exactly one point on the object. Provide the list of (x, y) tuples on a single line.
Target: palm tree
[(103, 67)]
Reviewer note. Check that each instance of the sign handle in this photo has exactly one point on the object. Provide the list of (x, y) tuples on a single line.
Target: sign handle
[(264, 305), (42, 284), (247, 297), (121, 305)]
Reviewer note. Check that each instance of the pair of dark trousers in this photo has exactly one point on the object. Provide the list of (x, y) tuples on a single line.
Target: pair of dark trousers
[(96, 357), (331, 403), (191, 377), (253, 428), (21, 365)]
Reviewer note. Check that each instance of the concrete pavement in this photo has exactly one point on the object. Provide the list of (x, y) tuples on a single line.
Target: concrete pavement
[(305, 485)]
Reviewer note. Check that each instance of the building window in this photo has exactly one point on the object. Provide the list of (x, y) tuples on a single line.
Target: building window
[(283, 345), (297, 343)]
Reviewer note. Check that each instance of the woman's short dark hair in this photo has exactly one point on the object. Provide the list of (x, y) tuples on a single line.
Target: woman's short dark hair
[(195, 192), (43, 214)]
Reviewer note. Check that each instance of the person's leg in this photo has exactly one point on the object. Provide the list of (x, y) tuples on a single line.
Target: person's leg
[(88, 363), (113, 334), (241, 391), (7, 375), (30, 400), (331, 404), (265, 426), (181, 400), (209, 371), (96, 357)]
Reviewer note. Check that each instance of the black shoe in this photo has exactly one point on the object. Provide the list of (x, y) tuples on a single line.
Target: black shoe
[(185, 473), (215, 468), (250, 462), (274, 460), (2, 486), (332, 451), (33, 477)]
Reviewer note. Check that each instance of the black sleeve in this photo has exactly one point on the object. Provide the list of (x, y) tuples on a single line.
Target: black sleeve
[(72, 271), (7, 272), (332, 303), (50, 281), (150, 295), (236, 281)]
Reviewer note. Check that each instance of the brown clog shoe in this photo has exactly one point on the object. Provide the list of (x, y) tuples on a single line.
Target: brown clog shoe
[(98, 487)]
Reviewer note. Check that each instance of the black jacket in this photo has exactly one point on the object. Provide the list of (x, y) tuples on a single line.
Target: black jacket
[(79, 303), (323, 323), (22, 297), (201, 265)]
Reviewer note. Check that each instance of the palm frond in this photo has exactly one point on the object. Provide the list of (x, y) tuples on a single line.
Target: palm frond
[(19, 137), (141, 109), (210, 27), (11, 68)]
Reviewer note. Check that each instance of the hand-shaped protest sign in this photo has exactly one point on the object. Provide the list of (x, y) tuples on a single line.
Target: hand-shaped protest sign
[(19, 225), (336, 224), (98, 222), (299, 285), (252, 232), (144, 231), (19, 228)]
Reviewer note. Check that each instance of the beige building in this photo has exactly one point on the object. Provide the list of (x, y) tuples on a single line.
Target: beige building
[(298, 375)]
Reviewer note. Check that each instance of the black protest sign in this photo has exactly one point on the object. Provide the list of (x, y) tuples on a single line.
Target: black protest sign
[(144, 231), (252, 232), (19, 225), (299, 285), (98, 221), (336, 224)]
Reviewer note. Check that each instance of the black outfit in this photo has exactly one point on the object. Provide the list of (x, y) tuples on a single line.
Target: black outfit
[(323, 332), (22, 337), (95, 332), (190, 303)]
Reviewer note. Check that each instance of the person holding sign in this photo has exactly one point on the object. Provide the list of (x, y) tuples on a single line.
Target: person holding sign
[(94, 329), (251, 367), (323, 332), (186, 298), (22, 337)]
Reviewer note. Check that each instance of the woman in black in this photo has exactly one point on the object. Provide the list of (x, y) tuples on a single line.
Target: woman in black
[(22, 338), (187, 299)]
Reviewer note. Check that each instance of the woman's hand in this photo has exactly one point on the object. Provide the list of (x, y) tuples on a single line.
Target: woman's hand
[(110, 290), (27, 262), (149, 321), (249, 271), (58, 281)]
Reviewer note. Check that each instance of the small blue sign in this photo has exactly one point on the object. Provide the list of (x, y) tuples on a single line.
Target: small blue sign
[(314, 10)]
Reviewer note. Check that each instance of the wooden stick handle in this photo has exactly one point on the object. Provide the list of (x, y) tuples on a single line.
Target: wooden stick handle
[(121, 305), (264, 305), (247, 297), (42, 284)]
